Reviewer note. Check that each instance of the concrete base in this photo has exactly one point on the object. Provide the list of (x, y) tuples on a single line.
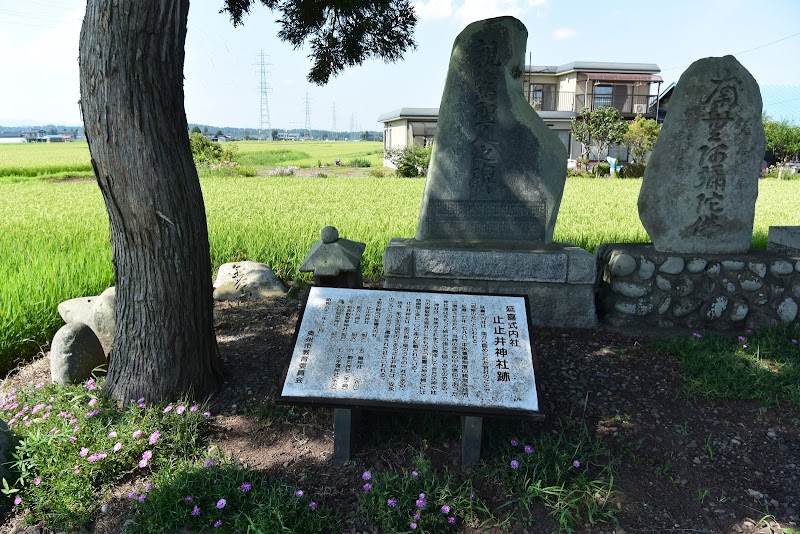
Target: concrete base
[(784, 240), (558, 279)]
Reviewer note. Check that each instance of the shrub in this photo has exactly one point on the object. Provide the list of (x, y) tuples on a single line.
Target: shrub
[(204, 151), (410, 161), (601, 169), (632, 170), (376, 173), (359, 162), (577, 174)]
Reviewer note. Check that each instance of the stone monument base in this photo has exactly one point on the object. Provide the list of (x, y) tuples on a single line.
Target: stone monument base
[(643, 287), (558, 279), (784, 240)]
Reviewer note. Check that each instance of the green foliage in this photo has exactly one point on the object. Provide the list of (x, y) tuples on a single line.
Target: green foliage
[(640, 138), (761, 365), (578, 174), (204, 151), (568, 473), (579, 127), (632, 170), (72, 443), (433, 502), (225, 498), (376, 173), (601, 169), (195, 129), (783, 142), (359, 162), (410, 161), (601, 127)]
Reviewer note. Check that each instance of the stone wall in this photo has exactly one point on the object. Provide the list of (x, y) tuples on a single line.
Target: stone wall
[(639, 286)]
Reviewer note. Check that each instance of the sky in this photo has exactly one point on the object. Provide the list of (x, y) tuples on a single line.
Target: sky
[(39, 51)]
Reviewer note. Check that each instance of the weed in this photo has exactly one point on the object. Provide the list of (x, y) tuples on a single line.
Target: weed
[(703, 494), (682, 428), (708, 447)]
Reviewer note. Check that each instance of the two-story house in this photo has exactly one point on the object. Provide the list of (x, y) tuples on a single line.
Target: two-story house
[(557, 94)]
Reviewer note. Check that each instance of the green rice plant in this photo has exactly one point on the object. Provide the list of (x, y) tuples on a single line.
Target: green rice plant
[(569, 473), (761, 365), (44, 160), (218, 495), (72, 443)]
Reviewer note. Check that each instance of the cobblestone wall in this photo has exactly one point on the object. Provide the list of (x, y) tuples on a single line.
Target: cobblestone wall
[(640, 286)]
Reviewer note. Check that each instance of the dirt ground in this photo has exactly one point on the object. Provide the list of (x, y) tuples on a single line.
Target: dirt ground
[(683, 464)]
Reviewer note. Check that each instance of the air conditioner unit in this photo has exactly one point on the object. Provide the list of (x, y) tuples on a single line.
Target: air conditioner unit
[(640, 108)]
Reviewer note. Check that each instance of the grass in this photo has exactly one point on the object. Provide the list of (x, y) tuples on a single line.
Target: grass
[(54, 237), (309, 153), (761, 365), (28, 161)]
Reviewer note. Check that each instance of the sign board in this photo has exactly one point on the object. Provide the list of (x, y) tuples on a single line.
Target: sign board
[(455, 352)]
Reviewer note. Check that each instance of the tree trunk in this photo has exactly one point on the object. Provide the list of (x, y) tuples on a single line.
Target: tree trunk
[(131, 76)]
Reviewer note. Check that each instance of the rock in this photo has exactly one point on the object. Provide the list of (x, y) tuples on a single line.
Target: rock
[(787, 310), (622, 264), (739, 311), (780, 267), (664, 305), (74, 353), (78, 310), (646, 268), (728, 286), (714, 309), (496, 171), (663, 284), (700, 186), (247, 280), (672, 265), (714, 267), (750, 282), (685, 306), (733, 265), (696, 265), (640, 307), (629, 289), (684, 286), (757, 267), (104, 316)]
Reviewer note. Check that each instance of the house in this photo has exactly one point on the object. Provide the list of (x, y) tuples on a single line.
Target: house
[(407, 127), (14, 137), (557, 93)]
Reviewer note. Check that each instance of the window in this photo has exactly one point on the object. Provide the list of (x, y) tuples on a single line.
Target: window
[(602, 96), (543, 97)]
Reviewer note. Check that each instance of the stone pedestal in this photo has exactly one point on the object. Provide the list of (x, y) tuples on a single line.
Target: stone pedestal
[(643, 287), (784, 240), (558, 279)]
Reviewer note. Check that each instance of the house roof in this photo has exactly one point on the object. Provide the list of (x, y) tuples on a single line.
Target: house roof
[(409, 113), (594, 66)]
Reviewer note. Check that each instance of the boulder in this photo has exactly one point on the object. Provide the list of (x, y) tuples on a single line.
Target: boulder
[(699, 190), (247, 280), (74, 353), (78, 310), (103, 317)]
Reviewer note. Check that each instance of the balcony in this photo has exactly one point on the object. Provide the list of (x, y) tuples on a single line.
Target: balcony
[(569, 102)]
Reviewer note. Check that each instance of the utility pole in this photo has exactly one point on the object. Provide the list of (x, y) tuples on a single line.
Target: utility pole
[(308, 116), (352, 125), (333, 125), (264, 90)]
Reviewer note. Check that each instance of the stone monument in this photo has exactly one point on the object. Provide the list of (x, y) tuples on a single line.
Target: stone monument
[(700, 186), (493, 191)]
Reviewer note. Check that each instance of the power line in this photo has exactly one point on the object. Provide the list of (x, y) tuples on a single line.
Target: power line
[(745, 51)]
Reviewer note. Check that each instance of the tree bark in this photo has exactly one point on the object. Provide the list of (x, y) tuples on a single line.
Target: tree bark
[(131, 77)]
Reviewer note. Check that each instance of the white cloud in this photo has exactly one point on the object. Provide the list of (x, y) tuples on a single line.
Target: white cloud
[(433, 9), (564, 33)]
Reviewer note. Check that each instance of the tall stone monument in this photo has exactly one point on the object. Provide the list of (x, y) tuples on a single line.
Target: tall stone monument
[(493, 190), (497, 171), (700, 186)]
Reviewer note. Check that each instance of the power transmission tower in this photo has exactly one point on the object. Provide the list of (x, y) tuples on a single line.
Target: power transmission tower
[(264, 90), (352, 125), (333, 125), (308, 116)]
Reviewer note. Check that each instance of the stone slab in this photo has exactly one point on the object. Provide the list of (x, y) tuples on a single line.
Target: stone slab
[(784, 239), (525, 262), (393, 348), (497, 171)]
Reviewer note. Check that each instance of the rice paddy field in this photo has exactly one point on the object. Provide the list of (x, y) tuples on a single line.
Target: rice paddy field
[(54, 234)]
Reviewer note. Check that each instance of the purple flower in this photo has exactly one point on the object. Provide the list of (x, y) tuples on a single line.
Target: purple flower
[(366, 475), (217, 523), (196, 511), (748, 331), (794, 341), (744, 346), (206, 414), (208, 463), (742, 338), (414, 474), (142, 463), (421, 503), (412, 526), (168, 409), (391, 503), (148, 487), (367, 486), (112, 435), (141, 399), (180, 409), (451, 520), (528, 449), (221, 503), (576, 464), (37, 481), (132, 494), (514, 443), (187, 499), (17, 500), (142, 497), (137, 434), (245, 487), (697, 335), (416, 517), (514, 464), (445, 509), (194, 408), (117, 446), (84, 452), (298, 493), (92, 413), (93, 401), (154, 437), (312, 505)]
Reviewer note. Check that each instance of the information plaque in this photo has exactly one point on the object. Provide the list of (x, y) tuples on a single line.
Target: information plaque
[(456, 352)]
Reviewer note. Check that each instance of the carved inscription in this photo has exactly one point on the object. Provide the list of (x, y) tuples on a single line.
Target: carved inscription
[(429, 348), (486, 69), (719, 106), (497, 217)]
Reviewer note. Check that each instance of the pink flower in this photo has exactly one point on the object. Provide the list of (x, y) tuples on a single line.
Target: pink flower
[(93, 401), (112, 435), (84, 452), (154, 437), (206, 414), (17, 500), (180, 409), (92, 413), (451, 520), (76, 469), (445, 509), (73, 439), (194, 408), (146, 455), (142, 463), (576, 464), (137, 434), (168, 409), (37, 481), (117, 446), (412, 526)]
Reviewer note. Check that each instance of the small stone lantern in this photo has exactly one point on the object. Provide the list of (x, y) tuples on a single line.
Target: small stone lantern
[(335, 262)]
